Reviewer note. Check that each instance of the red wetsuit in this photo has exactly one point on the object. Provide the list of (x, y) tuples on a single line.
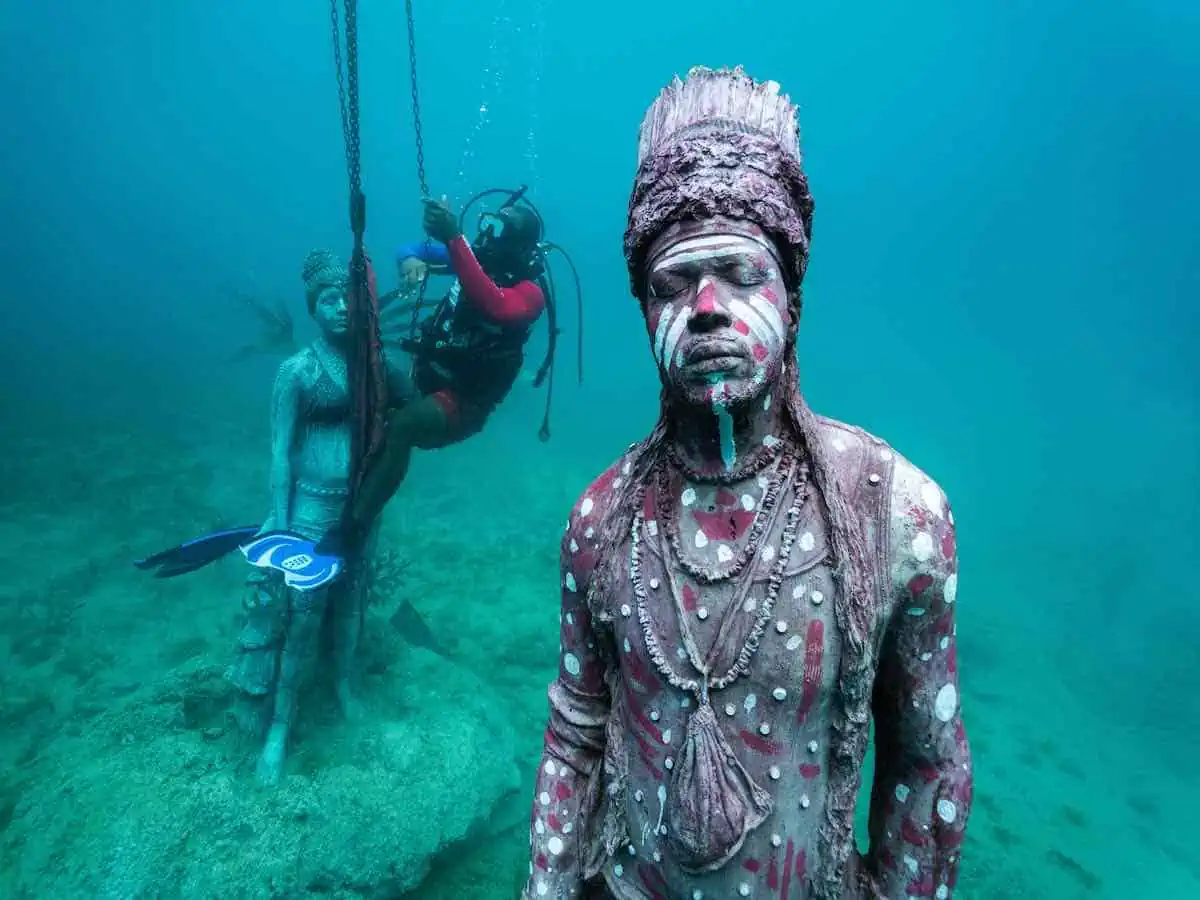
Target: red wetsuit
[(475, 362)]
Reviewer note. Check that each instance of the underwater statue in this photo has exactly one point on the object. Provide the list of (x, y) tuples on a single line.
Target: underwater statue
[(288, 632), (750, 587)]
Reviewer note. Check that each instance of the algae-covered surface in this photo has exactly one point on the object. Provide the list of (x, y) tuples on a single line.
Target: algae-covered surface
[(121, 775)]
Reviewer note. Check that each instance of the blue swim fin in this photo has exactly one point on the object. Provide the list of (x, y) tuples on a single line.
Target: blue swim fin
[(197, 553), (303, 567)]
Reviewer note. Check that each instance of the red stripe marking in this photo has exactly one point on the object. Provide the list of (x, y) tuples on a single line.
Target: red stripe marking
[(787, 870), (814, 654), (760, 744), (911, 832)]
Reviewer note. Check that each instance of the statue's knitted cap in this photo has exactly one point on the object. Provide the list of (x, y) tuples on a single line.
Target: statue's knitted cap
[(720, 144), (322, 270)]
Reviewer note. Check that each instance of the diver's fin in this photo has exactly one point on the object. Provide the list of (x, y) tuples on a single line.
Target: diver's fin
[(415, 630), (197, 553), (304, 568)]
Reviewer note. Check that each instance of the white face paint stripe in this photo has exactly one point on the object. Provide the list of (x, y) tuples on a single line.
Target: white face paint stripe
[(709, 243), (660, 334), (676, 332), (758, 326), (698, 243), (770, 312), (682, 257)]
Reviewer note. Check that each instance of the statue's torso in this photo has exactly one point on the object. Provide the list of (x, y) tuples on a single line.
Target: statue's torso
[(321, 443), (775, 717), (321, 447)]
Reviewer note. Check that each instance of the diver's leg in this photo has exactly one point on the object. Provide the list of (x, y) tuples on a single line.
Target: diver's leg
[(424, 422), (348, 602), (299, 652)]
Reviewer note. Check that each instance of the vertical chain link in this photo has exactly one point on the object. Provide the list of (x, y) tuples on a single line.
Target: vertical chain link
[(416, 108), (416, 99), (347, 86)]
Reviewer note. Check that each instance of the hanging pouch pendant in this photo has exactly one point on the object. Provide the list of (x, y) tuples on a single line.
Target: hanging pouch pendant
[(713, 802)]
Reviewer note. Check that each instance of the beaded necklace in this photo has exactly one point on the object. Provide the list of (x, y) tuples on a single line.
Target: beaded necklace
[(755, 463), (762, 516), (700, 687)]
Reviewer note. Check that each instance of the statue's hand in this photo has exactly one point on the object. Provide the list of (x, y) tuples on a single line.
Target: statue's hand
[(413, 271), (439, 220)]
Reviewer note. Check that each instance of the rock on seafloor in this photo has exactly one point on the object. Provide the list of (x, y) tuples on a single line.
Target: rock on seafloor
[(154, 799)]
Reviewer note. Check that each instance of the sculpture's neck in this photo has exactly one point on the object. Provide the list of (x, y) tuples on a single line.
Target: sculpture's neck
[(333, 345), (722, 442)]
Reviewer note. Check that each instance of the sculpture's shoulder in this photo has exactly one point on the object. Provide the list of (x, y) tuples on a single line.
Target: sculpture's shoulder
[(924, 546), (914, 511), (607, 496), (862, 462), (300, 370)]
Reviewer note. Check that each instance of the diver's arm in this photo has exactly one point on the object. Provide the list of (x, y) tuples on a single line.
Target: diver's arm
[(285, 406), (427, 251), (515, 305)]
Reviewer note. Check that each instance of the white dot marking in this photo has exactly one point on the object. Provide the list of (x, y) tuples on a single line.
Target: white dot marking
[(946, 703), (922, 546)]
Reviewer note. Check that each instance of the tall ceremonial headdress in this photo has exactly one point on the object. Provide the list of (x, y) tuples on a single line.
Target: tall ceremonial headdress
[(721, 144)]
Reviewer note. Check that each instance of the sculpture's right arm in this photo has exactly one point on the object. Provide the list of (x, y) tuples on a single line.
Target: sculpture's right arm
[(574, 742), (285, 408)]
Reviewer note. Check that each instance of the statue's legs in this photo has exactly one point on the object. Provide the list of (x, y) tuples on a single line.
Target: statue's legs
[(348, 605), (255, 670), (306, 611), (346, 617)]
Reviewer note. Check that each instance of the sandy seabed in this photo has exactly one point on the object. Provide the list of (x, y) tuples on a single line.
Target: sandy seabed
[(120, 776)]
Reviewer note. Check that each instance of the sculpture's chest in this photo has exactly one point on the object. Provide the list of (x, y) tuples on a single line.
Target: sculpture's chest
[(768, 640), (327, 396)]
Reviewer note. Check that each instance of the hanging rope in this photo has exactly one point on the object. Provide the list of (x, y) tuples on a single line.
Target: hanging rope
[(368, 381)]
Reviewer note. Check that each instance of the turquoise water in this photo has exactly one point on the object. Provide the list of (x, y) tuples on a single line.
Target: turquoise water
[(1002, 286)]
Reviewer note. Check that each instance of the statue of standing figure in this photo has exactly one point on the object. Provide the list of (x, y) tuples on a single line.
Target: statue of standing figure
[(748, 589), (289, 634)]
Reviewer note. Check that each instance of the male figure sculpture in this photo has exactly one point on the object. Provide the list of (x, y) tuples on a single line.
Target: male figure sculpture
[(748, 587)]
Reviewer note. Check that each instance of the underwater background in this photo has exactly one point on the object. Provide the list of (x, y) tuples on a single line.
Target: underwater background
[(1006, 267)]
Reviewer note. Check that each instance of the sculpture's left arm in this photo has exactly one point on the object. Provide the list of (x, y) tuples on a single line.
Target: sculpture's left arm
[(922, 791)]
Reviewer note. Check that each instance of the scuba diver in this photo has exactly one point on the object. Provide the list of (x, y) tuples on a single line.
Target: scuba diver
[(468, 354)]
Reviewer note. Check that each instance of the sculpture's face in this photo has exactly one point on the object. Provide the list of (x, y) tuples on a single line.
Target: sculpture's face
[(716, 309), (331, 313)]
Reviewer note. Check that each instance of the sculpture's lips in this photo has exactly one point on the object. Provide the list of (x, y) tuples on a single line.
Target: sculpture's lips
[(712, 351)]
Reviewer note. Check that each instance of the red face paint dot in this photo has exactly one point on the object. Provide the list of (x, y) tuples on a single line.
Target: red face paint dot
[(770, 295), (741, 327), (760, 352)]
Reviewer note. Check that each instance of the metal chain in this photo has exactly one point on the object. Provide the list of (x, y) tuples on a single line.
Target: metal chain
[(347, 84), (416, 100), (416, 108)]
